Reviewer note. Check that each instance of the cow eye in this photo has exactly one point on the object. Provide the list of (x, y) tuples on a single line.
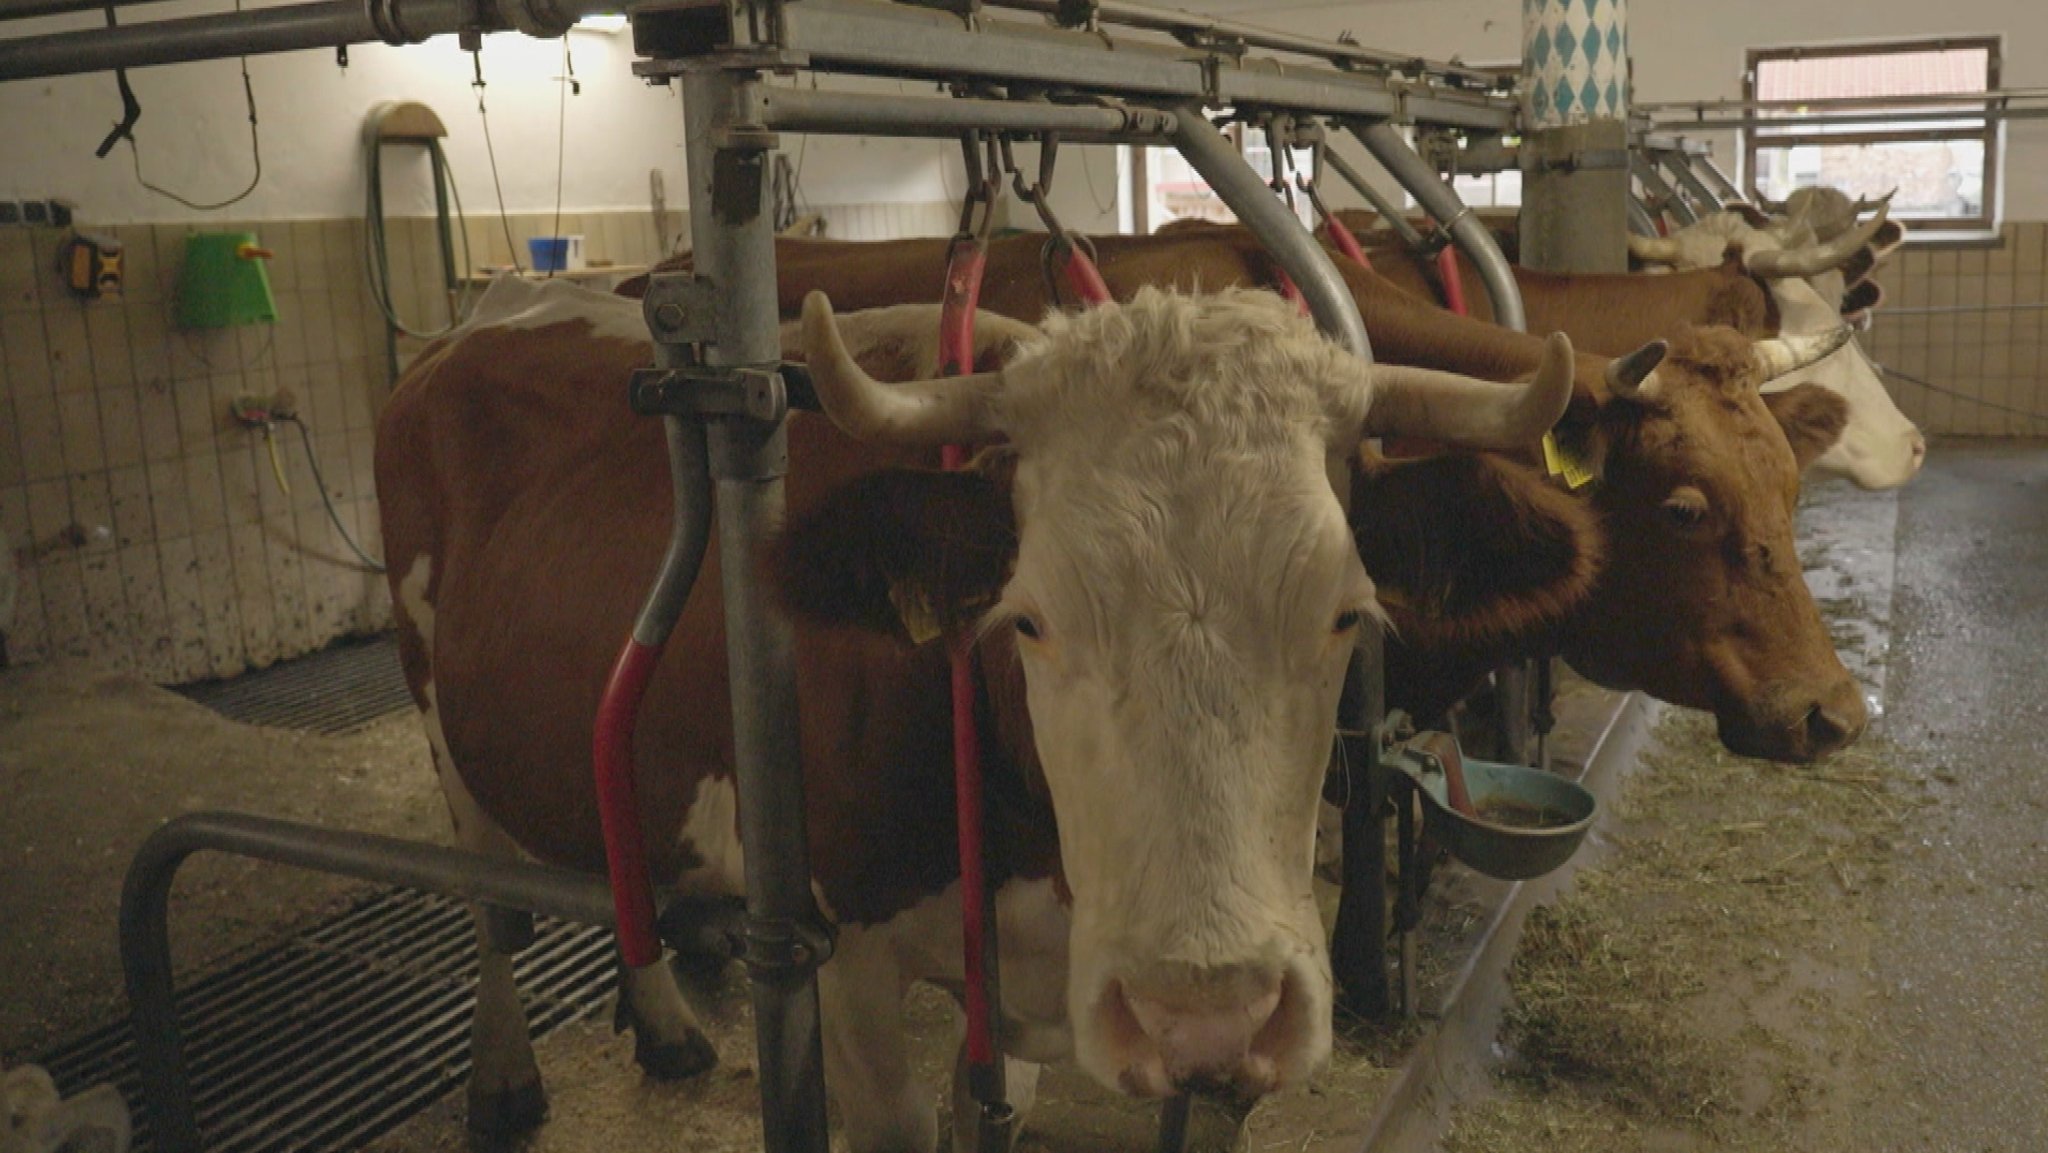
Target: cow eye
[(1026, 627), (1347, 620), (1686, 508)]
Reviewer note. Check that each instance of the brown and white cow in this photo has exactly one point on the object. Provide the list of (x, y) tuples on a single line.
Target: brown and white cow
[(1667, 594), (1782, 284), (1160, 589), (1881, 448)]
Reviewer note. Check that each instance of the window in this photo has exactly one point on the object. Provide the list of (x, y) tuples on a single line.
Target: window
[(1168, 188), (1944, 162)]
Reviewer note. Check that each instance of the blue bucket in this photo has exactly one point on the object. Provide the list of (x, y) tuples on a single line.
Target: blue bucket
[(548, 253)]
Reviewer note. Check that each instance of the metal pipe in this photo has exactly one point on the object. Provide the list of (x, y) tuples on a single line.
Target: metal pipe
[(145, 919), (1640, 221), (1329, 299), (26, 9), (732, 226), (806, 110), (1876, 118), (1660, 191), (1189, 27), (1720, 180), (294, 27), (688, 537), (1678, 165), (1437, 198), (1833, 103), (1392, 214)]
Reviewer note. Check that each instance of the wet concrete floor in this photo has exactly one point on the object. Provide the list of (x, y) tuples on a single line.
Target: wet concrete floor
[(1962, 968)]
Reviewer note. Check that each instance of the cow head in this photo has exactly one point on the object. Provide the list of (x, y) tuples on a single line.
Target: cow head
[(1703, 602), (1174, 576), (1879, 448)]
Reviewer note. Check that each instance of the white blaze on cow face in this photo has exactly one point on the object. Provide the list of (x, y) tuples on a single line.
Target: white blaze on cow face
[(1186, 594), (1880, 448)]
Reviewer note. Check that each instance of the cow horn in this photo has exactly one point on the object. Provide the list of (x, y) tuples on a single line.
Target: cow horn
[(949, 410), (1654, 249), (1864, 204), (1445, 406), (1816, 258), (1785, 355), (1635, 375)]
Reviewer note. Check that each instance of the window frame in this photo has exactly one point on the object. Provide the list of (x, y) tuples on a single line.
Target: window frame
[(1753, 141)]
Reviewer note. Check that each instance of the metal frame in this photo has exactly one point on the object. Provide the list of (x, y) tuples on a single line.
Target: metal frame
[(719, 389)]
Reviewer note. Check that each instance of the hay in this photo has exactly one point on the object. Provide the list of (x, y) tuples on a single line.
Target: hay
[(1690, 986)]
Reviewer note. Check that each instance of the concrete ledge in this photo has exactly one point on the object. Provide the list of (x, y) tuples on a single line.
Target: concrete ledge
[(1452, 1059)]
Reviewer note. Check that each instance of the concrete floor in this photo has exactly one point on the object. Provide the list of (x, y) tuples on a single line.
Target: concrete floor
[(1962, 975)]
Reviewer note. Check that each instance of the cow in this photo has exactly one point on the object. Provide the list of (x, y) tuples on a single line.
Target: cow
[(1150, 568), (1774, 289), (1884, 448), (1704, 477)]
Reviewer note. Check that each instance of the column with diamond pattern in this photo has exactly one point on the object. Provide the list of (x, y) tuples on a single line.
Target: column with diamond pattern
[(1575, 61)]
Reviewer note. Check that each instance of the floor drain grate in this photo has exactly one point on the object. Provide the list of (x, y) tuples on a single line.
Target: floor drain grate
[(336, 690), (341, 1033)]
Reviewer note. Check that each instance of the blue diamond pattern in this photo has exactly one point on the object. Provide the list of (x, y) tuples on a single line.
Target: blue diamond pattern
[(1563, 97), (1589, 97), (1591, 43), (1539, 48), (1613, 95), (1614, 41), (1567, 47)]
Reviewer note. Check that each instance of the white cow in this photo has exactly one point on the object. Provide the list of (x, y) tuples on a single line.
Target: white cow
[(1162, 594)]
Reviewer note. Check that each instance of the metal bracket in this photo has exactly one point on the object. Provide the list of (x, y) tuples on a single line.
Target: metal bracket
[(1586, 160), (784, 948), (702, 391), (682, 308)]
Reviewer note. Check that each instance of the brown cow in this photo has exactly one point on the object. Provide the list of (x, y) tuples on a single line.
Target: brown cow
[(1779, 692), (1160, 590)]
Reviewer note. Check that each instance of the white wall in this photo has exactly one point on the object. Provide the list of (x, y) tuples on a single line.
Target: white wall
[(195, 140), (194, 137)]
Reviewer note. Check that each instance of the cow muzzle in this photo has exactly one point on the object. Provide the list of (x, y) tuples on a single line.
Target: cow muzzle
[(1237, 1032), (1800, 726)]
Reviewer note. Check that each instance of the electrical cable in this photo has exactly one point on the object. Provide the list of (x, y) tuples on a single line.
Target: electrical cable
[(313, 463), (483, 114), (376, 249), (255, 146), (568, 82)]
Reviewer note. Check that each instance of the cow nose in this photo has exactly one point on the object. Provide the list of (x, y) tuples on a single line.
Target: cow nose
[(1208, 1036), (1837, 719), (1919, 450)]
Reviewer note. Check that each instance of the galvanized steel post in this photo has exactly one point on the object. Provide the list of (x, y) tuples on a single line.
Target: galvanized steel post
[(1575, 171), (732, 228)]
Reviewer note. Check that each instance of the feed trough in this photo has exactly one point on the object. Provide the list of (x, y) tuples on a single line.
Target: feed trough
[(1506, 821)]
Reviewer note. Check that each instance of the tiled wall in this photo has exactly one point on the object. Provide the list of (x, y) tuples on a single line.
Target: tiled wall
[(1972, 323), (149, 531)]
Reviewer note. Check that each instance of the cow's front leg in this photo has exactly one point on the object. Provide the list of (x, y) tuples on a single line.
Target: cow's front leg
[(668, 1044), (883, 1107)]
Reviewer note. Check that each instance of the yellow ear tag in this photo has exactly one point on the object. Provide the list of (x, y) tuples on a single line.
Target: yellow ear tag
[(914, 609), (1558, 462)]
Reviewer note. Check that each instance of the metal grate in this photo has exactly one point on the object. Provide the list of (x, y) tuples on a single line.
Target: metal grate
[(336, 690), (341, 1033)]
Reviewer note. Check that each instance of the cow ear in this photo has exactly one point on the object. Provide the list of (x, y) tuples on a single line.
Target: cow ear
[(1813, 419), (912, 553), (1520, 555)]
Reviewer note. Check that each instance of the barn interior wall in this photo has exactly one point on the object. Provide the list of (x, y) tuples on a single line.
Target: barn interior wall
[(146, 526)]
